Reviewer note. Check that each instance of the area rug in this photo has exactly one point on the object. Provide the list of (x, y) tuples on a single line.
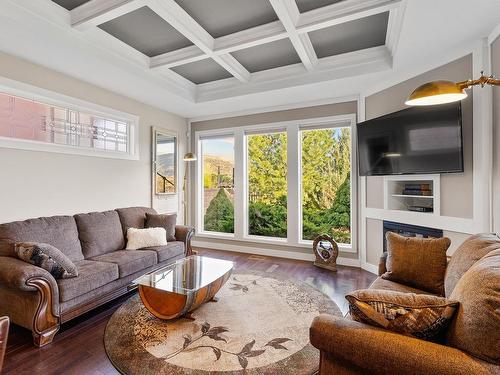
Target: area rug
[(260, 325)]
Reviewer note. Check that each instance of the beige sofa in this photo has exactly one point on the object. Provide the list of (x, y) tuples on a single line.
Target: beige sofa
[(33, 299), (472, 278)]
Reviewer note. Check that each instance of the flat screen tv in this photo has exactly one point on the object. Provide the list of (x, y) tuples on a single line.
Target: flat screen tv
[(417, 140)]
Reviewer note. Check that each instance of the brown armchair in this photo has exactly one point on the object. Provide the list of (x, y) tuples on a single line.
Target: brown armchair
[(4, 332)]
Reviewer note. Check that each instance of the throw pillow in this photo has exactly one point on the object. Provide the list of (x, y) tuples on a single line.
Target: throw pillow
[(417, 262), (141, 238), (419, 315), (166, 221), (47, 257)]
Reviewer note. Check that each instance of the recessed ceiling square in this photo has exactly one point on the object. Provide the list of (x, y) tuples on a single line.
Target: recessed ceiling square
[(70, 4), (223, 17), (146, 31), (202, 71), (267, 56), (307, 5), (351, 36)]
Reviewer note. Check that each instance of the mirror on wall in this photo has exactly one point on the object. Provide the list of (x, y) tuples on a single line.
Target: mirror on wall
[(164, 162)]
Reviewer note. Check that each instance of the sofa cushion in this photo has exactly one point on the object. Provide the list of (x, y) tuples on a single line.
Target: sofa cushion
[(476, 327), (417, 262), (91, 275), (171, 250), (469, 252), (129, 261), (133, 217), (47, 257), (58, 231), (418, 315), (166, 221), (382, 284), (100, 233)]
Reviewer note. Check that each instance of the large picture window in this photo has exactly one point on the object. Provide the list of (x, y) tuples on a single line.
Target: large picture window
[(217, 156), (267, 184), (326, 183)]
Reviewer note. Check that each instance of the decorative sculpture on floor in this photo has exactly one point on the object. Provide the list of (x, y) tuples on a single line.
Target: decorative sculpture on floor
[(326, 251)]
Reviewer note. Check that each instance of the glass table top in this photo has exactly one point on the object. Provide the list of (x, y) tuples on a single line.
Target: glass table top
[(186, 275)]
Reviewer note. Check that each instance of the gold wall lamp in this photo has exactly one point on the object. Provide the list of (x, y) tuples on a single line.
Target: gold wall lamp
[(441, 92)]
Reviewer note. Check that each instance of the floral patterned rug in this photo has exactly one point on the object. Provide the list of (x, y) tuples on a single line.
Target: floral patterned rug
[(260, 325)]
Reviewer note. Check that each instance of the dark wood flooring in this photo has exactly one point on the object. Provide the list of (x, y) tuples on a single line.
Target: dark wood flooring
[(78, 347)]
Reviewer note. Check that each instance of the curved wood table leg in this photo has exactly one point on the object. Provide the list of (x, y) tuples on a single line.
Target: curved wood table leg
[(45, 322)]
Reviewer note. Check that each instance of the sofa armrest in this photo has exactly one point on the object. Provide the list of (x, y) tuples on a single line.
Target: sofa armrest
[(185, 234), (382, 264), (15, 274), (378, 351)]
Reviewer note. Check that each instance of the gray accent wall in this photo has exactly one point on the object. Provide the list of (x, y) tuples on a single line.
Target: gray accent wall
[(495, 69), (45, 183)]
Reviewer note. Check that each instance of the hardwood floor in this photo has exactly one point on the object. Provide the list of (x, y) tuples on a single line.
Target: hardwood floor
[(78, 347)]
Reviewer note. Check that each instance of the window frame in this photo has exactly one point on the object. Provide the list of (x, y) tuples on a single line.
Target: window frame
[(294, 176), (47, 97)]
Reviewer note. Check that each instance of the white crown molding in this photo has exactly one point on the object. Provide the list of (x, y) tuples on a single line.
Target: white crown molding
[(495, 33), (178, 57), (370, 60), (396, 16)]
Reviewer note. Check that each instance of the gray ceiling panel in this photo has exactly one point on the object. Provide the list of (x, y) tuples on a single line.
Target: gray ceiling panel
[(351, 36), (146, 31), (223, 17), (267, 56), (202, 71), (70, 4), (306, 5)]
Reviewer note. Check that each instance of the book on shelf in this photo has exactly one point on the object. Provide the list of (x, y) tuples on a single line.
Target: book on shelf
[(417, 192), (417, 186)]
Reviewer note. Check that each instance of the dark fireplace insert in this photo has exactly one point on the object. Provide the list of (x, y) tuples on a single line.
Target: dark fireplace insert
[(408, 230)]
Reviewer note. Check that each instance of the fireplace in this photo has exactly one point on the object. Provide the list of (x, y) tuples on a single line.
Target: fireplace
[(408, 230)]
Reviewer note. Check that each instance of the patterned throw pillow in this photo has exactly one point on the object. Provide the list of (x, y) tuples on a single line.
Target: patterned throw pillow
[(419, 315), (47, 257)]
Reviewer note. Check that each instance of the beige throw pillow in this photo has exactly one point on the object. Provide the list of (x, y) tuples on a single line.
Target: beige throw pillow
[(419, 315), (141, 238), (47, 257), (417, 262)]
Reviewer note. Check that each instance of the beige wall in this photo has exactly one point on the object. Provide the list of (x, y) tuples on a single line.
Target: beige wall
[(263, 118), (495, 69), (454, 202), (41, 183)]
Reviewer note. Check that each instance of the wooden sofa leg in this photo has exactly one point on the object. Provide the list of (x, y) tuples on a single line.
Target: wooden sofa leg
[(45, 322)]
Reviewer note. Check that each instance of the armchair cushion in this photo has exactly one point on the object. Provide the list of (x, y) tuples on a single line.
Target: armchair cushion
[(476, 328), (166, 221), (418, 262), (47, 257), (419, 315)]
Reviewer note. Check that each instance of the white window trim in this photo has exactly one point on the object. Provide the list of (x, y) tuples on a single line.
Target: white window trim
[(294, 214), (30, 92)]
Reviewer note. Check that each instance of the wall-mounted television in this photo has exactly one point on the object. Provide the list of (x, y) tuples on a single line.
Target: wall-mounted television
[(417, 140)]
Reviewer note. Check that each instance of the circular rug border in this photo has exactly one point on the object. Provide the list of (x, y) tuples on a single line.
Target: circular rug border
[(144, 363)]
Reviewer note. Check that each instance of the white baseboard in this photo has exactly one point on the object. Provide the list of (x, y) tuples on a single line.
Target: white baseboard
[(370, 268), (271, 252)]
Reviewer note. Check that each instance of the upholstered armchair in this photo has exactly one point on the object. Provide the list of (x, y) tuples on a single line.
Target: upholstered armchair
[(4, 331)]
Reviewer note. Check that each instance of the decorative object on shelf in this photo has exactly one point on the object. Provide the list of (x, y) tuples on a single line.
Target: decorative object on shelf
[(188, 158), (326, 251), (442, 92)]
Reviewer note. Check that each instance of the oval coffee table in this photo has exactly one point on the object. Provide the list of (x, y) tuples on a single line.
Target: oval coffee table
[(177, 289)]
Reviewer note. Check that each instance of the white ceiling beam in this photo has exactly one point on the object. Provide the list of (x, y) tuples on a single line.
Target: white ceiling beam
[(288, 13), (342, 12), (178, 57), (171, 12), (97, 12)]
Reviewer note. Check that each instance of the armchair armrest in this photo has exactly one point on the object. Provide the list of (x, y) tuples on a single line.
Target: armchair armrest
[(185, 234), (378, 351), (381, 264)]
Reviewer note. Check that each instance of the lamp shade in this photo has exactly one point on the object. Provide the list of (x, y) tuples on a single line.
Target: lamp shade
[(189, 157), (436, 92)]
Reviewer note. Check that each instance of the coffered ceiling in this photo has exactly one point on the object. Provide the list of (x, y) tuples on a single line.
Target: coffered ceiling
[(214, 47)]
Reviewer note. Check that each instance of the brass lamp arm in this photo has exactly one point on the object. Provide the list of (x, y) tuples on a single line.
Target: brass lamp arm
[(483, 80)]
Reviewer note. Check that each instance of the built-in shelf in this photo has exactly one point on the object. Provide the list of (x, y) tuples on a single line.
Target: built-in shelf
[(395, 200)]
